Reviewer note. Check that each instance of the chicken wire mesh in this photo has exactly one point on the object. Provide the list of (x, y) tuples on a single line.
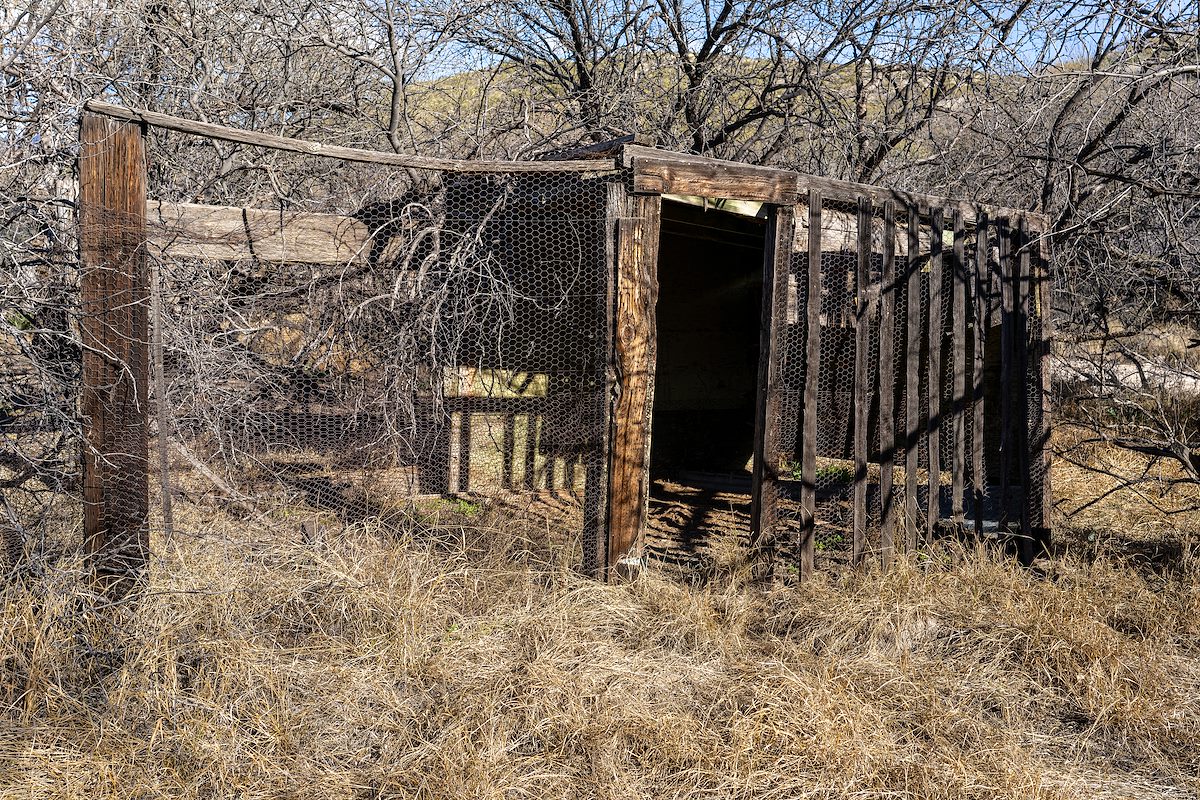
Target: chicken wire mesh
[(347, 342), (944, 373)]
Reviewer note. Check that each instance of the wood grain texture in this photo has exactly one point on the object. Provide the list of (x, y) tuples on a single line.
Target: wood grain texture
[(862, 386), (189, 230), (114, 331), (887, 387), (806, 544), (663, 172), (637, 293)]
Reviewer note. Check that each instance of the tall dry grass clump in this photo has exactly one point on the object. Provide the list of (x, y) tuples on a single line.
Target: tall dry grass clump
[(465, 662)]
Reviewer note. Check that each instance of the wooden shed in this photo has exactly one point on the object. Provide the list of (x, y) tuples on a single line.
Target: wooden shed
[(870, 363)]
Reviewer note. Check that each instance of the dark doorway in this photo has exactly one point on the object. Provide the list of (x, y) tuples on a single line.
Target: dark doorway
[(708, 318)]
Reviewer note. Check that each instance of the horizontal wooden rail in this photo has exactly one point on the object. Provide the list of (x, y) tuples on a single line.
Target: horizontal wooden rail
[(241, 136), (189, 230), (654, 171)]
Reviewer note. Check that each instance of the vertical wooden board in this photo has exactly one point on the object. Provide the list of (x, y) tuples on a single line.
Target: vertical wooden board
[(862, 387), (806, 546), (764, 498), (597, 488), (912, 378), (982, 320), (1021, 384), (887, 383), (464, 451), (1004, 239), (959, 322), (637, 293), (531, 434), (114, 331), (933, 429), (1042, 276)]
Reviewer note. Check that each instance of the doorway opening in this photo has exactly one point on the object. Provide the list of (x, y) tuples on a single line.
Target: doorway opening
[(708, 317)]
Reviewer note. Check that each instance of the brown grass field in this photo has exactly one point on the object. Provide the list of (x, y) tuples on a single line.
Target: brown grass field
[(463, 659)]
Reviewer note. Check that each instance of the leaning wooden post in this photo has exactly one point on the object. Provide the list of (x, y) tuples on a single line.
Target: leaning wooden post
[(114, 331)]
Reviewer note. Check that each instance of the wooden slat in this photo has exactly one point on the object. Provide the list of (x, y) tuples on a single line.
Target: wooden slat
[(982, 320), (887, 383), (1004, 238), (663, 172), (508, 463), (114, 330), (188, 230), (933, 430), (464, 452), (240, 136), (806, 545), (1021, 384), (1046, 315), (597, 479), (637, 293), (764, 502), (912, 378), (862, 387), (959, 322), (531, 434)]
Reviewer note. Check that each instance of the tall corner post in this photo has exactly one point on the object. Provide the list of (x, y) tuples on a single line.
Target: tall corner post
[(634, 357), (115, 335)]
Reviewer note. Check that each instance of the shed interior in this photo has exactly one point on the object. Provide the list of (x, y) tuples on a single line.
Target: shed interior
[(710, 267)]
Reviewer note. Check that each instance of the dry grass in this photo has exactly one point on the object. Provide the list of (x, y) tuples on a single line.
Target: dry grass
[(462, 663)]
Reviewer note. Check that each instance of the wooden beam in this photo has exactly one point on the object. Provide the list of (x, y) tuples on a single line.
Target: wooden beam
[(862, 387), (912, 378), (637, 293), (189, 230), (806, 545), (663, 172), (887, 387), (1043, 288), (115, 334), (1004, 235), (933, 381), (777, 265), (959, 322), (981, 319), (257, 139), (1024, 343)]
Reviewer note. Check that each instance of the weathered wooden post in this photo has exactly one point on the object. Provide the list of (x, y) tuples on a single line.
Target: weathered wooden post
[(114, 330), (635, 352)]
